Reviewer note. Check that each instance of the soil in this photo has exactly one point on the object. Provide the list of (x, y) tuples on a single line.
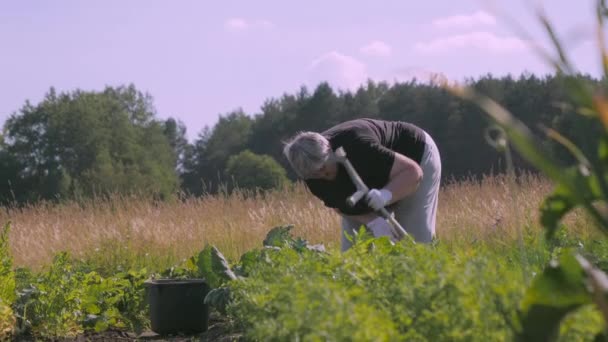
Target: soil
[(219, 330)]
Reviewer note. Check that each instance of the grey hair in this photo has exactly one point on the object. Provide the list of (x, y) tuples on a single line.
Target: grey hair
[(307, 152)]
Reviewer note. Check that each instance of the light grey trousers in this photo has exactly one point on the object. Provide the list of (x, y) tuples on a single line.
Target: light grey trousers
[(416, 213)]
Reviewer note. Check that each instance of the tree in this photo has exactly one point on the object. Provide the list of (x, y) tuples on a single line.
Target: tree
[(212, 150), (175, 131), (9, 172), (276, 123), (320, 111), (196, 167), (252, 171), (85, 143), (364, 102)]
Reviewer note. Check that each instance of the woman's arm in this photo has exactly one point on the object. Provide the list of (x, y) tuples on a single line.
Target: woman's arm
[(404, 178)]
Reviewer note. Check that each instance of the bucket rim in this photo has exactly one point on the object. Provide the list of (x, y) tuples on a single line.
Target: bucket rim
[(171, 281)]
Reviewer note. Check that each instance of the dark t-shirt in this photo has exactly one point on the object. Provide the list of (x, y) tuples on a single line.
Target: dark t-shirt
[(370, 146)]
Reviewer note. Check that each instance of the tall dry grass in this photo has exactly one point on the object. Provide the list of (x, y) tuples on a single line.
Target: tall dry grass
[(120, 227)]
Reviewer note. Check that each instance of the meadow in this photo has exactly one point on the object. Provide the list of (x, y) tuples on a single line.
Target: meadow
[(79, 267), (141, 232), (515, 259)]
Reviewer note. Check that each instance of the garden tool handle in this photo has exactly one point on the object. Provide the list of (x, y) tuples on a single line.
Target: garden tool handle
[(391, 219), (352, 200), (362, 190)]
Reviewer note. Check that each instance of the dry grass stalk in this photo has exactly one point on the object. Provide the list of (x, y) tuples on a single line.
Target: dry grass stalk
[(235, 223)]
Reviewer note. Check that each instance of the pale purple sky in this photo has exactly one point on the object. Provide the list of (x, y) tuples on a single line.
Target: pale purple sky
[(199, 59)]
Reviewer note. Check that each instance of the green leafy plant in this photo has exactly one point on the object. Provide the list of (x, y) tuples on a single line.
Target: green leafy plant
[(7, 284), (64, 301), (381, 291), (7, 275), (570, 281)]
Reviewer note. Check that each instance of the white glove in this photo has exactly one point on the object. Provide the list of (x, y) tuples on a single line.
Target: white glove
[(378, 199), (381, 227)]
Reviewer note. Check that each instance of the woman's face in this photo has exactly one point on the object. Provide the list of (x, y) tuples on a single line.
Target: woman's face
[(328, 171)]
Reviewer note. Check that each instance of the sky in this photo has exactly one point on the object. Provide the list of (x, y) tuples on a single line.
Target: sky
[(202, 59)]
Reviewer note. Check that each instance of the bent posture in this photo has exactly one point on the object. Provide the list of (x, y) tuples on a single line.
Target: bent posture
[(398, 161)]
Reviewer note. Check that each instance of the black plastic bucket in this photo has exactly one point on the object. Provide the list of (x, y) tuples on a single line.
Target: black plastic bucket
[(177, 306)]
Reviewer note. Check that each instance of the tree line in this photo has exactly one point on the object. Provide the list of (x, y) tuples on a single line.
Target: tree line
[(81, 144)]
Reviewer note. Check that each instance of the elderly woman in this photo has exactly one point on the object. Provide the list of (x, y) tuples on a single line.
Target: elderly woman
[(398, 161)]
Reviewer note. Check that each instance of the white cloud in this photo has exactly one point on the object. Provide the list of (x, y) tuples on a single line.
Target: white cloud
[(241, 24), (377, 48), (479, 18), (341, 71), (487, 41), (236, 24)]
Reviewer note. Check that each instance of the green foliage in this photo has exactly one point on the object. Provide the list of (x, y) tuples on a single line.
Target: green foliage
[(279, 236), (65, 301), (209, 264), (90, 143), (380, 291), (175, 131), (572, 282), (206, 163), (219, 298), (559, 290), (450, 120), (7, 275), (7, 322), (251, 171), (229, 136), (7, 285), (9, 180), (290, 290), (213, 267)]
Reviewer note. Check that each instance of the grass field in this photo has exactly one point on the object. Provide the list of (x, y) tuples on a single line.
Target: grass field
[(489, 248), (141, 232)]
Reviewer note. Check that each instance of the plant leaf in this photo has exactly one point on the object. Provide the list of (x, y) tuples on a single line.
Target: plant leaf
[(601, 106), (221, 267), (570, 146), (599, 285), (557, 291), (562, 201), (219, 299), (7, 274), (279, 236), (554, 208), (205, 267)]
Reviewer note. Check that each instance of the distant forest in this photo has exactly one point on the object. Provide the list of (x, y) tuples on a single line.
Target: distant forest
[(81, 144)]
